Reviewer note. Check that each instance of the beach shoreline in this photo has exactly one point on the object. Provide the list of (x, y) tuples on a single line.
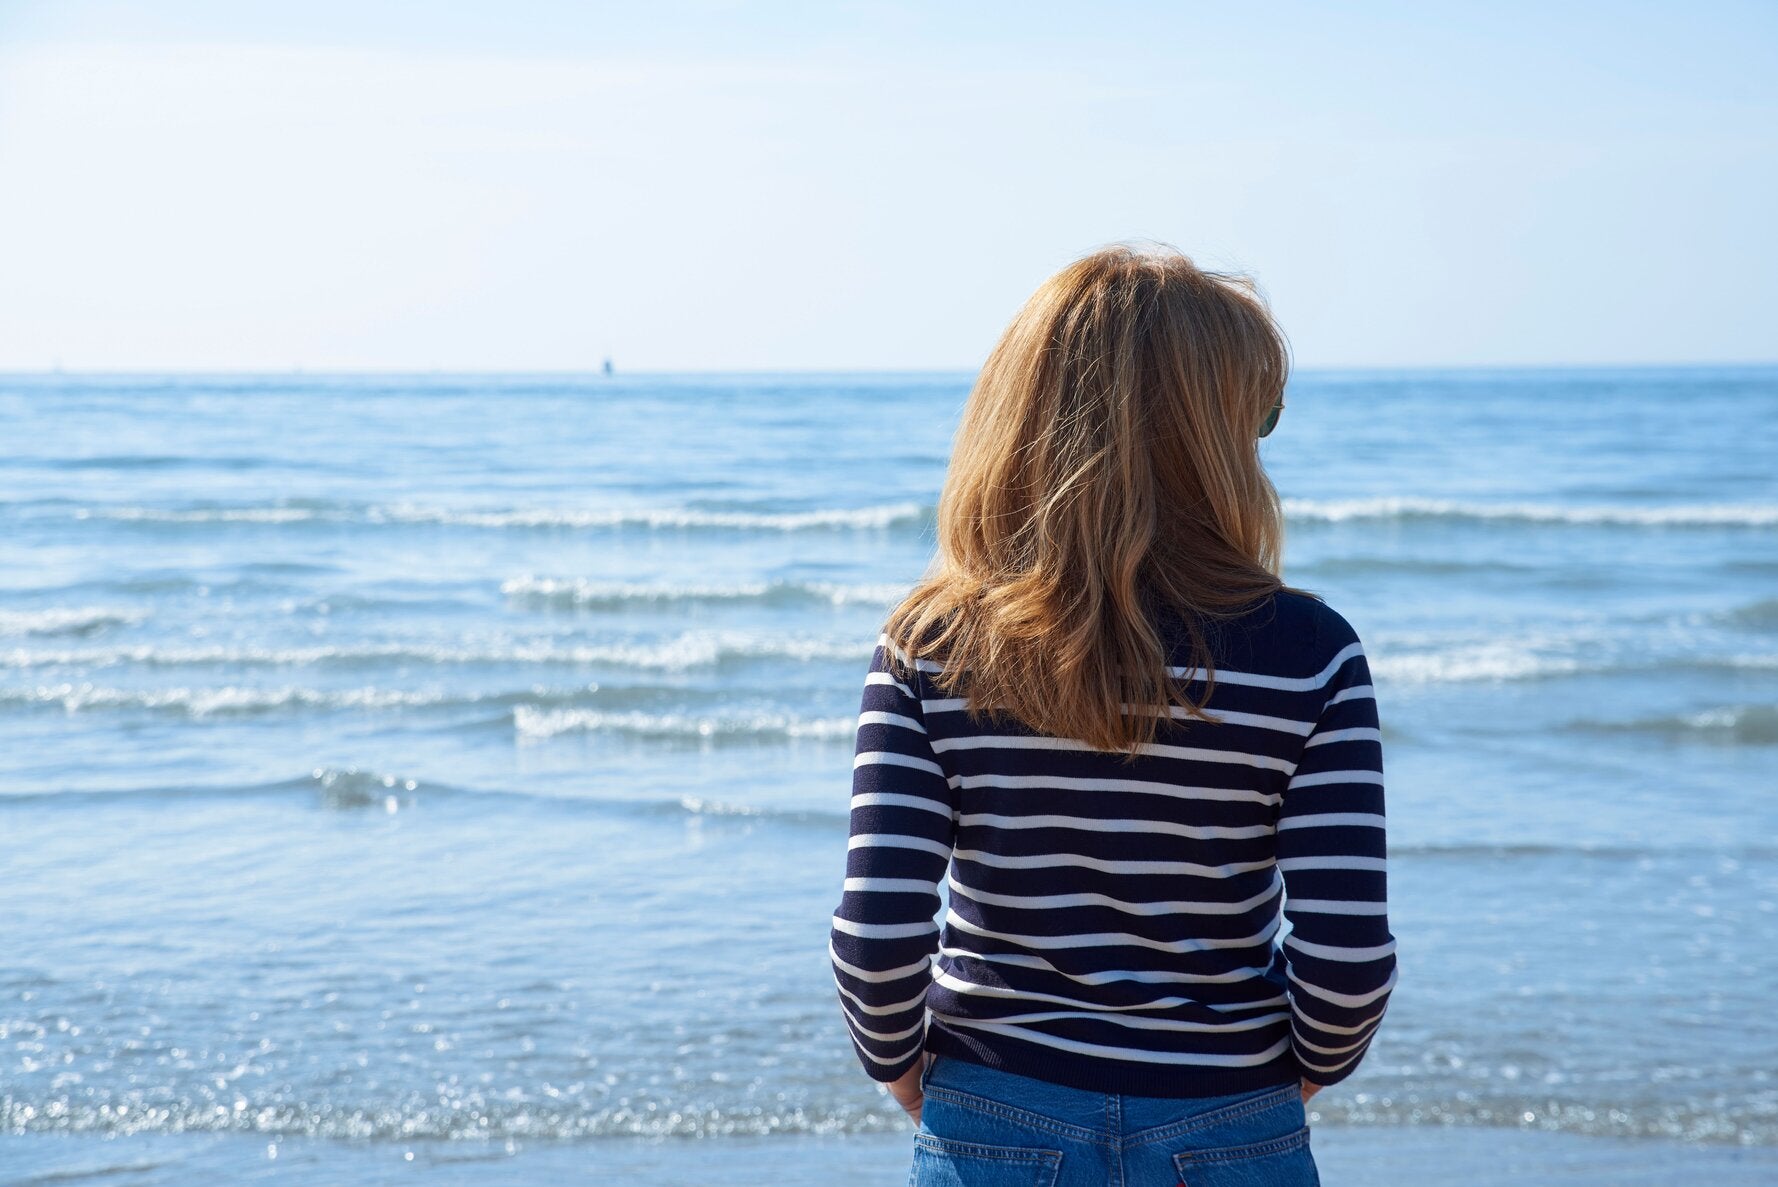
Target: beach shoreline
[(1348, 1156)]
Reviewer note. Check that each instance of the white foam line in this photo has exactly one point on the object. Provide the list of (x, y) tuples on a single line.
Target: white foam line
[(1673, 515)]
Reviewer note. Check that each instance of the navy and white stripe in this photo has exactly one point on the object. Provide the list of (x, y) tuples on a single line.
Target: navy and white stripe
[(1116, 927)]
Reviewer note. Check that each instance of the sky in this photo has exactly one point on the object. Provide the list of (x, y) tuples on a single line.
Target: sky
[(684, 185)]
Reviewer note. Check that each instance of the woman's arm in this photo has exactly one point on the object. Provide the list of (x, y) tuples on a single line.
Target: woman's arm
[(1332, 852), (903, 828)]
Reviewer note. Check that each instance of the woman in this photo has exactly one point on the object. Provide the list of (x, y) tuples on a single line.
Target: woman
[(1135, 750)]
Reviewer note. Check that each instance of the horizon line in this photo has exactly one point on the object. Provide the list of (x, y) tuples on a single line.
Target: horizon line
[(596, 372)]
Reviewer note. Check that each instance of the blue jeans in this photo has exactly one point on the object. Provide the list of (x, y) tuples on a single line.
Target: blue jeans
[(981, 1127)]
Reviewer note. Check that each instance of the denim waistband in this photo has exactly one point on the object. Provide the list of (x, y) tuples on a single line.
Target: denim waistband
[(1091, 1116)]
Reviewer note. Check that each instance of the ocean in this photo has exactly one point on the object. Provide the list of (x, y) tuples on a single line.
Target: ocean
[(446, 776)]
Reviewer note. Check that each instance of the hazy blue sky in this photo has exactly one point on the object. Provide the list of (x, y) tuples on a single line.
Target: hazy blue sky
[(685, 185)]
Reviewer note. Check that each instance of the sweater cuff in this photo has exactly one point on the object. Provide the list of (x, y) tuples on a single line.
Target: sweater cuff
[(1323, 1079), (888, 1073)]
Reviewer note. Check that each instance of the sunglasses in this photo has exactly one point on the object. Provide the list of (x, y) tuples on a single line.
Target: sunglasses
[(1271, 420)]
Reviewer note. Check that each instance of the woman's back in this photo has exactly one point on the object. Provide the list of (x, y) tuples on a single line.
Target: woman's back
[(1112, 926), (1135, 751)]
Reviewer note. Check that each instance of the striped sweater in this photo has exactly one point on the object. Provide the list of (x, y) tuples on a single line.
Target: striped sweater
[(1115, 928)]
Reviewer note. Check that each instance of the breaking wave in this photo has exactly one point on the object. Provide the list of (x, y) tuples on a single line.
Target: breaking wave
[(691, 649), (576, 593), (1756, 515), (73, 620), (889, 515), (538, 1111), (1744, 725), (533, 722)]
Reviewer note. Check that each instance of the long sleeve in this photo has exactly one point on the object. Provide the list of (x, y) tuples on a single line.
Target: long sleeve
[(903, 828), (1332, 852)]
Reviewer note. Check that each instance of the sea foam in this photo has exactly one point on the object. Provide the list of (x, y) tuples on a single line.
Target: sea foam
[(1755, 515)]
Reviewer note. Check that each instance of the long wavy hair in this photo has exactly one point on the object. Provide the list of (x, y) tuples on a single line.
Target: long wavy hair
[(1105, 482)]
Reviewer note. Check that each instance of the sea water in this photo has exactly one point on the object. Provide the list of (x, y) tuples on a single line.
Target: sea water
[(456, 767)]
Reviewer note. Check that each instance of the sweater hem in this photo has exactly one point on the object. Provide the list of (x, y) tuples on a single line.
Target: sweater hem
[(1110, 1076)]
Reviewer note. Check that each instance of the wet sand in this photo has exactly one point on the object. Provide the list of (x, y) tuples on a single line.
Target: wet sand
[(1349, 1156)]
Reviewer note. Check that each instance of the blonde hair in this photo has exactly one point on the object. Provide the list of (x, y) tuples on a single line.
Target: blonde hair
[(1106, 470)]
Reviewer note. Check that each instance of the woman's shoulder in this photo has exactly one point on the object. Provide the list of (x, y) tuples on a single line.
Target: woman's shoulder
[(1288, 632)]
